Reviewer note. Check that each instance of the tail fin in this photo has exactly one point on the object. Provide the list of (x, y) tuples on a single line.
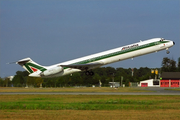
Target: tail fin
[(29, 65)]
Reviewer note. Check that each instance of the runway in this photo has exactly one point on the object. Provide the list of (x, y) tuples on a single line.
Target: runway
[(150, 91)]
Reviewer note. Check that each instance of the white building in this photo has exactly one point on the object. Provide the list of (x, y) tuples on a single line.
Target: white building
[(149, 83)]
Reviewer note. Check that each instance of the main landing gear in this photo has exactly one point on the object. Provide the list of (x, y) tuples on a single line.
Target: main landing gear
[(89, 73)]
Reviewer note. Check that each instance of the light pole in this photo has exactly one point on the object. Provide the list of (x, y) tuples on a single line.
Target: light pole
[(113, 80), (155, 72)]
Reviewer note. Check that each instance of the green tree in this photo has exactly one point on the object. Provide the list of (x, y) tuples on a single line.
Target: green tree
[(20, 78), (76, 79), (1, 82), (96, 78), (18, 81), (168, 65), (38, 81), (31, 81), (178, 69), (7, 82)]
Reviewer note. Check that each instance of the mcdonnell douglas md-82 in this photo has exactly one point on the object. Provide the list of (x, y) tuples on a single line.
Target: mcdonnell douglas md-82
[(90, 62)]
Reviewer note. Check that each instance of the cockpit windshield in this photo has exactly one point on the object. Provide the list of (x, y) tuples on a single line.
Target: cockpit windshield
[(162, 39)]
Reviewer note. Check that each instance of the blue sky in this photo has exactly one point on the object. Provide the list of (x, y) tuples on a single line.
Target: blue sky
[(54, 31)]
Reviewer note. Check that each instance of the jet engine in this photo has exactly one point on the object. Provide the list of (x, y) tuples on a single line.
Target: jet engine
[(52, 71)]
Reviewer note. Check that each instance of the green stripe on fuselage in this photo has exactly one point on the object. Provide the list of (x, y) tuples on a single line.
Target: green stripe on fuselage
[(120, 52)]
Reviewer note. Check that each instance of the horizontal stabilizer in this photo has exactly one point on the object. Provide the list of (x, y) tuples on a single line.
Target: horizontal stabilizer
[(23, 61)]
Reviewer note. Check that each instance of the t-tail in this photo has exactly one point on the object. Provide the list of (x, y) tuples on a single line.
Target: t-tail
[(31, 66)]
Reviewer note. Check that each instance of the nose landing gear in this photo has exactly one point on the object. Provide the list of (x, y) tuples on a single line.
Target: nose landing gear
[(167, 51)]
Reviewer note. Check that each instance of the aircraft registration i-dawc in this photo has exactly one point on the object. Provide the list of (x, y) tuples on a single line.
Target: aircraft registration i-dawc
[(90, 62)]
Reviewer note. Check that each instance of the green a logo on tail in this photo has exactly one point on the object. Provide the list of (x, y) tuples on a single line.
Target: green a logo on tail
[(30, 65)]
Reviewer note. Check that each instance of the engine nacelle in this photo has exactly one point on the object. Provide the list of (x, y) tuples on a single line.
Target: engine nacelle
[(52, 71)]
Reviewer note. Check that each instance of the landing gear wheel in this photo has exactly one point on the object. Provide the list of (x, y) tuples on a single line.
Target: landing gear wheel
[(167, 52), (89, 73)]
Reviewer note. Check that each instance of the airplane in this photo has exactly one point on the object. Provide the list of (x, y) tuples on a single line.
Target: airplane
[(90, 62)]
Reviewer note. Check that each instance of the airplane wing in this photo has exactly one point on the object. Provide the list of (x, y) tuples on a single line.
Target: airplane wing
[(83, 67)]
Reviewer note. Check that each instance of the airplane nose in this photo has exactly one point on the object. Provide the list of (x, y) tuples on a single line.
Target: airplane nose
[(173, 43)]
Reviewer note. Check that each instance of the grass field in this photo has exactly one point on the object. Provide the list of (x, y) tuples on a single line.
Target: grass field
[(89, 115), (87, 107)]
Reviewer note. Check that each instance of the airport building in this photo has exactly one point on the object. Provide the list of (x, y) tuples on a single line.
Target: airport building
[(149, 83), (170, 79)]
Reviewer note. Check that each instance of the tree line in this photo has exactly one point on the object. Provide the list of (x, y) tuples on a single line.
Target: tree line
[(103, 74)]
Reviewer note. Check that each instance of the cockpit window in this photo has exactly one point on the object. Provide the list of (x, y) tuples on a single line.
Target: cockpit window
[(162, 39)]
